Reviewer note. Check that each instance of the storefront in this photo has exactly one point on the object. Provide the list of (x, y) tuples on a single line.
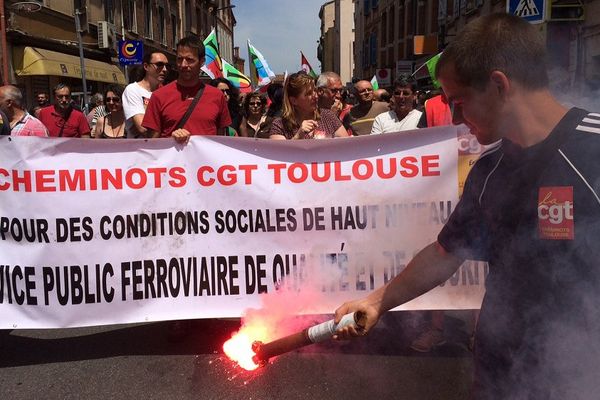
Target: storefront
[(37, 69)]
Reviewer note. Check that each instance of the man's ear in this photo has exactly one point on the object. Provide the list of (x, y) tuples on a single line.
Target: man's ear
[(500, 82), (202, 60)]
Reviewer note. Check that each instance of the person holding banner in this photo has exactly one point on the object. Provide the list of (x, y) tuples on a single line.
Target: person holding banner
[(20, 122), (63, 119), (112, 125), (187, 106), (301, 119), (530, 207)]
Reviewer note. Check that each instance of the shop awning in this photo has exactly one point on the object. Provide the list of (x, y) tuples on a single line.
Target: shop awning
[(36, 61)]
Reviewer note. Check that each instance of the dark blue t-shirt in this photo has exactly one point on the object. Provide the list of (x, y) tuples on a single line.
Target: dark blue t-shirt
[(534, 215)]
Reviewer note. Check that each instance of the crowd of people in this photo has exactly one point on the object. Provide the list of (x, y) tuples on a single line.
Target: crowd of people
[(160, 104), (530, 205), (298, 108)]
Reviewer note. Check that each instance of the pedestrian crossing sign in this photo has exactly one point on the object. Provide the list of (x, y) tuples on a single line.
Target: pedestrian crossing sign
[(533, 11)]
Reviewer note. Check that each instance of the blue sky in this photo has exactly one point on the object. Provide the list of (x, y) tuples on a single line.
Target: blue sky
[(279, 29)]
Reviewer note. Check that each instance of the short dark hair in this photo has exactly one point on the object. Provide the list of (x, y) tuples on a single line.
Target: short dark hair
[(406, 81), (147, 59), (497, 42), (60, 86), (193, 42)]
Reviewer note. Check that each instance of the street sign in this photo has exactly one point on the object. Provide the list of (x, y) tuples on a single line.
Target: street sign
[(533, 11), (384, 76), (130, 52), (403, 68)]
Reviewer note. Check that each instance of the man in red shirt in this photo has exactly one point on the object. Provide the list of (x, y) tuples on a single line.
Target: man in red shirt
[(169, 103), (61, 119)]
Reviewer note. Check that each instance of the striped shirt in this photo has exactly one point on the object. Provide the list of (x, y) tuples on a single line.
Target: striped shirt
[(29, 126)]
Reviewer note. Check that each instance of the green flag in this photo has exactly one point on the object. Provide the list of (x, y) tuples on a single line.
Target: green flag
[(431, 63), (374, 82)]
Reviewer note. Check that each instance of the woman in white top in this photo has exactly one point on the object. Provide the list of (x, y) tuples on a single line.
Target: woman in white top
[(403, 116)]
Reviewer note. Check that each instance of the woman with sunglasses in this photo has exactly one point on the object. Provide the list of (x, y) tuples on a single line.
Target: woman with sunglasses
[(231, 94), (254, 114), (301, 119), (112, 126)]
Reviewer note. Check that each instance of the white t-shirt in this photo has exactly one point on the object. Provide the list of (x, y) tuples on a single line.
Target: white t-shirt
[(388, 122), (135, 100)]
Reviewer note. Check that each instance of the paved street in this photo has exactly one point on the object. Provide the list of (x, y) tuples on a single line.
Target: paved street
[(136, 361)]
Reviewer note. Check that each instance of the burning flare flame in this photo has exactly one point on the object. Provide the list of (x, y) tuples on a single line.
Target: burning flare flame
[(239, 347)]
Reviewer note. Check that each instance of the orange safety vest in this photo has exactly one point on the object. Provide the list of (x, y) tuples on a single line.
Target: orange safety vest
[(438, 111)]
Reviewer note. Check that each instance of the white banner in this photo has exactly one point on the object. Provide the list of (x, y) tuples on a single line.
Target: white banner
[(99, 232)]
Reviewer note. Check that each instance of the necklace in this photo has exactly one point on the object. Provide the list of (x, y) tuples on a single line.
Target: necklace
[(116, 132)]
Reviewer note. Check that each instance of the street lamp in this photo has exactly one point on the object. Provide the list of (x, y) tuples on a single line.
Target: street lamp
[(27, 6)]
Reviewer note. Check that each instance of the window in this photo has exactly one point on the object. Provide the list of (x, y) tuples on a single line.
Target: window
[(367, 10), (162, 25), (188, 16), (384, 20), (401, 22), (373, 48), (130, 15), (456, 9), (174, 30), (148, 31), (442, 10), (109, 11), (391, 23), (410, 20)]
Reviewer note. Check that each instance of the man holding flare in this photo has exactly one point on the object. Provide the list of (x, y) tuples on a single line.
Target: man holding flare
[(530, 207)]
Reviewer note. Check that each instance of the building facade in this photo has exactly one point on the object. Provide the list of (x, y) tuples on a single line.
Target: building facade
[(343, 62), (40, 44), (386, 32), (336, 44), (326, 49)]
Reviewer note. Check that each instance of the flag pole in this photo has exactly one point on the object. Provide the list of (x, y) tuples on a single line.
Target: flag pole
[(418, 69), (424, 64)]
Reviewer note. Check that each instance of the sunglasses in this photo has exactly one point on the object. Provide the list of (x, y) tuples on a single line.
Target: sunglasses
[(335, 90), (113, 99), (226, 91), (255, 104), (160, 65), (367, 90), (63, 96)]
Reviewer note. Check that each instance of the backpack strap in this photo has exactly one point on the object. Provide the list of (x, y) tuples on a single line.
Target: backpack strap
[(188, 112)]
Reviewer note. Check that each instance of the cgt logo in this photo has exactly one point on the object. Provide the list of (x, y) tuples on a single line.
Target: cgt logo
[(555, 213)]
